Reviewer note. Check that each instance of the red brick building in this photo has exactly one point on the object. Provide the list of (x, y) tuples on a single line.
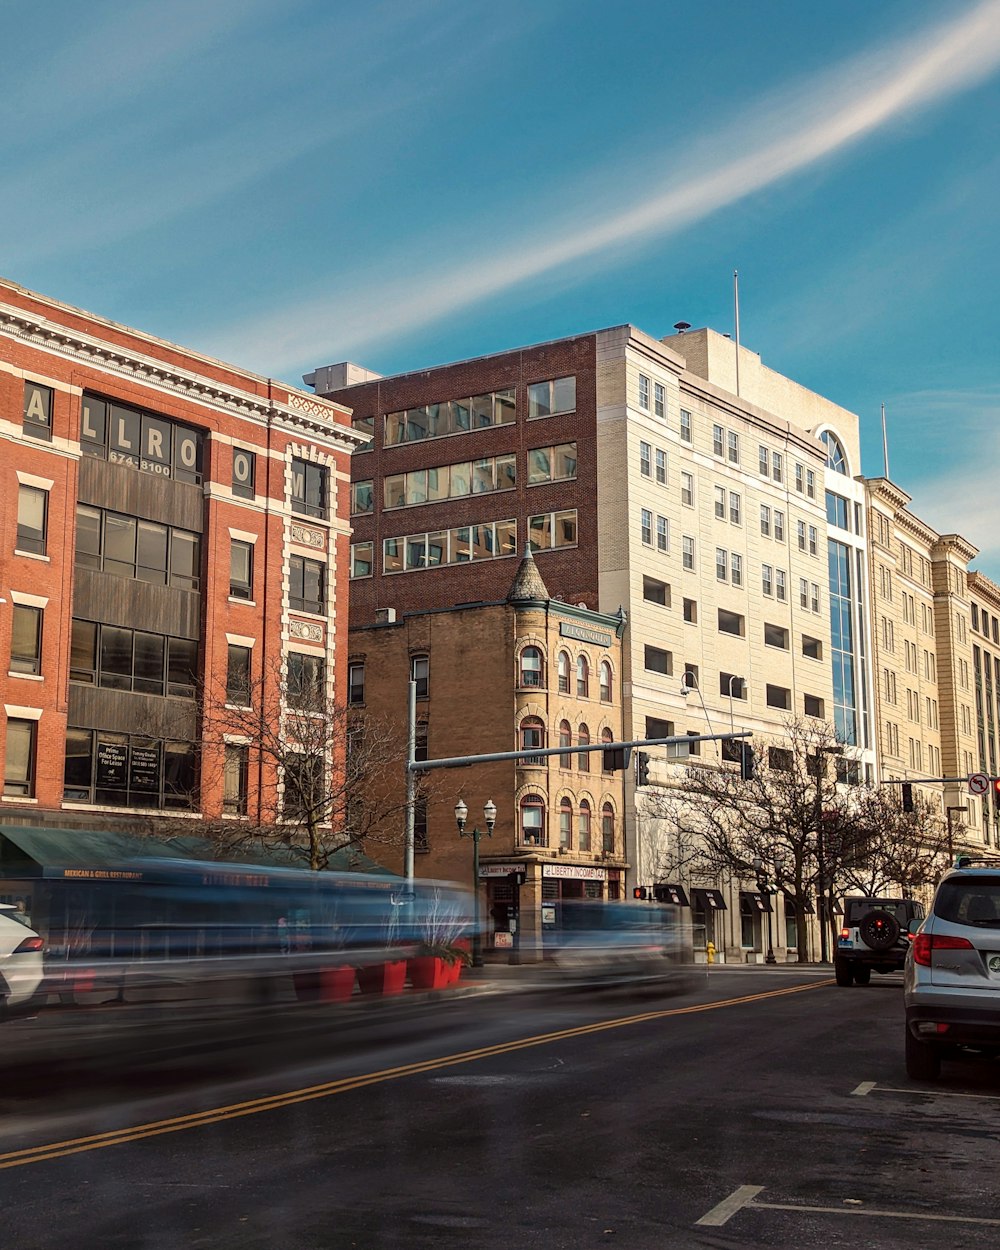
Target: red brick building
[(169, 525)]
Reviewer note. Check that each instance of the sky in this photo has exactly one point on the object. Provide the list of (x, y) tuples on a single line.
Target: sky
[(290, 183)]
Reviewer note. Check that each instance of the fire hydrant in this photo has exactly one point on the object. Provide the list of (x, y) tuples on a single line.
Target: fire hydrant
[(710, 953)]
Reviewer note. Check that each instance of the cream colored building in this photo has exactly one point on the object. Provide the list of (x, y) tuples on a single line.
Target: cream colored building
[(984, 607)]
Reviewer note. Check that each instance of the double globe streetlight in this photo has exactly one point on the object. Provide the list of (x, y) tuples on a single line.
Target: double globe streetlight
[(490, 816)]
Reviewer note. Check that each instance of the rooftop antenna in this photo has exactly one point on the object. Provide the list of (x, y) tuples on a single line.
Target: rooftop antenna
[(885, 445), (736, 309)]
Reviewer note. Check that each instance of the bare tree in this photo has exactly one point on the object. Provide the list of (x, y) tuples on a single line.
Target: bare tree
[(301, 772)]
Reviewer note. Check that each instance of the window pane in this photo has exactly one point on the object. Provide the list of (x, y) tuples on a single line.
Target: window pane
[(19, 767), (185, 560), (26, 640), (83, 648), (182, 667), (148, 663), (79, 764), (116, 658), (539, 467), (564, 390), (88, 537), (152, 552), (119, 544), (32, 505)]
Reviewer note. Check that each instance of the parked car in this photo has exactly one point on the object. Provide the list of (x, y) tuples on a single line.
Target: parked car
[(951, 988), (875, 935), (21, 969)]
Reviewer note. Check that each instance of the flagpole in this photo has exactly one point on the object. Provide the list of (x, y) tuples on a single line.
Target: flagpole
[(736, 308), (885, 445)]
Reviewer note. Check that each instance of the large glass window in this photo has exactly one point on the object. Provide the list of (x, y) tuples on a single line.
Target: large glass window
[(411, 552), (122, 770), (552, 530), (32, 519), (26, 639), (845, 717), (19, 766), (140, 440), (545, 399), (309, 488), (533, 821), (306, 681), (837, 511), (125, 659), (362, 498), (241, 569), (531, 667), (532, 735), (454, 416), (835, 457), (552, 464), (306, 584), (130, 547), (362, 560)]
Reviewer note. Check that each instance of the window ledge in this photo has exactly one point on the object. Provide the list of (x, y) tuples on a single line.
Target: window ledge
[(26, 676), (247, 603), (17, 798), (32, 555), (171, 812)]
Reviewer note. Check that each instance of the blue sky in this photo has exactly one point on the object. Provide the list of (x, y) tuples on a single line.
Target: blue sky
[(289, 183)]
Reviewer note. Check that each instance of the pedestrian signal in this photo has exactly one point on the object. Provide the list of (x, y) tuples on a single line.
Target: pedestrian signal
[(907, 796)]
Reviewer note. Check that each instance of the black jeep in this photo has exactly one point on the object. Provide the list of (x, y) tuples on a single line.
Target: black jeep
[(874, 935)]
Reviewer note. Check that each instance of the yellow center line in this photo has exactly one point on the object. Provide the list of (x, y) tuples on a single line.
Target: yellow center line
[(274, 1102)]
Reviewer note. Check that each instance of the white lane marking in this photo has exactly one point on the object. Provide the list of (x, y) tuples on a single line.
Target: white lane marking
[(728, 1207), (896, 1215), (938, 1093), (864, 1088)]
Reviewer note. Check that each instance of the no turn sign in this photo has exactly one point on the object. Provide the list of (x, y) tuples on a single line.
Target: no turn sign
[(979, 783)]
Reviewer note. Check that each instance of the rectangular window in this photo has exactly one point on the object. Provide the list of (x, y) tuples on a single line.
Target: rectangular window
[(837, 511), (306, 681), (545, 464), (245, 473), (362, 498), (661, 466), (19, 768), (812, 648), (765, 520), (37, 411), (659, 399), (810, 483), (658, 728), (779, 696), (721, 564), (643, 391), (26, 639), (646, 527), (780, 585), (687, 489), (720, 502), (735, 509), (763, 461), (238, 675), (800, 534), (356, 683), (779, 526), (32, 519), (777, 467), (767, 579), (309, 488), (814, 596), (687, 553), (733, 447), (813, 541), (731, 623), (654, 591), (775, 636), (306, 584), (685, 426), (235, 771), (662, 534), (659, 661), (691, 611), (362, 558), (241, 569), (718, 440), (800, 484), (736, 569), (551, 530), (420, 667), (732, 687), (803, 593), (645, 467), (545, 399)]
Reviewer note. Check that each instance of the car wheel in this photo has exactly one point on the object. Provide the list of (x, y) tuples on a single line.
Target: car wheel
[(843, 972), (862, 974), (923, 1063), (879, 930)]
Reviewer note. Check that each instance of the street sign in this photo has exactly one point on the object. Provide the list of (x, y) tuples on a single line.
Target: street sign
[(979, 783)]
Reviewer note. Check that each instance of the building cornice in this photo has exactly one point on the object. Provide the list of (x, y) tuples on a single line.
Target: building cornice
[(956, 545), (983, 586), (299, 413)]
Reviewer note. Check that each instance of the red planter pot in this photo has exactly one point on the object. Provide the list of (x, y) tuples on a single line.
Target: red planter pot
[(387, 978), (429, 972), (336, 985)]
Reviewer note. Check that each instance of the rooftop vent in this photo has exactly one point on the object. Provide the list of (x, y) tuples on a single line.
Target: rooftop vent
[(681, 326)]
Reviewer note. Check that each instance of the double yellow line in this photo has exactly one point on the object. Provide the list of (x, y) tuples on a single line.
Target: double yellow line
[(234, 1111)]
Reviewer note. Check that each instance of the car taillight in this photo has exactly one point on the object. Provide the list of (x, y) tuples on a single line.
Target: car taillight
[(845, 934), (925, 943), (29, 944)]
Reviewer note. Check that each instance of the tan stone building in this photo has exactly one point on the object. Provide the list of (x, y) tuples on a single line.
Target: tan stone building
[(527, 671), (922, 646), (984, 596)]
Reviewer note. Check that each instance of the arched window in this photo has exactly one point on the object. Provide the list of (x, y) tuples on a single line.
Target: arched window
[(583, 738), (532, 735), (606, 736), (608, 829), (563, 665), (533, 821), (566, 824), (565, 740), (531, 667), (582, 676), (605, 682), (583, 825), (835, 457)]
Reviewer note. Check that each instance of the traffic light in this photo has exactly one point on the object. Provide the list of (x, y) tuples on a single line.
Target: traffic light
[(747, 762), (639, 891), (996, 791), (907, 796), (616, 758), (642, 769)]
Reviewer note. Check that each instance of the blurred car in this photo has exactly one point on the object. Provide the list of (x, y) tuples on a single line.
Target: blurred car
[(21, 956), (875, 935), (624, 945), (952, 982)]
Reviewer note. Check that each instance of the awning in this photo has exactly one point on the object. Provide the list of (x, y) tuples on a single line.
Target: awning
[(45, 852), (671, 894), (755, 902), (709, 900), (791, 907)]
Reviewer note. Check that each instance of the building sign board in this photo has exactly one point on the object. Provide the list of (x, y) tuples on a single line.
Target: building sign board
[(568, 629), (500, 870), (577, 872)]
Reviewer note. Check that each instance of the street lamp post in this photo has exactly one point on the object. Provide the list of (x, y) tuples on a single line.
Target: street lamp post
[(765, 891), (951, 829), (490, 816), (824, 918)]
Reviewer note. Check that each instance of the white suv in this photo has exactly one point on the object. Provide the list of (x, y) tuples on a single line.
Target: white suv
[(21, 969)]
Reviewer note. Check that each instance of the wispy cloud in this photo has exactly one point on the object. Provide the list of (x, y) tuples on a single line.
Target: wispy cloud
[(786, 134)]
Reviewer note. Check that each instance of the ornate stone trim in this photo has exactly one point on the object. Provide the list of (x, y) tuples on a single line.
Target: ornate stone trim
[(307, 631)]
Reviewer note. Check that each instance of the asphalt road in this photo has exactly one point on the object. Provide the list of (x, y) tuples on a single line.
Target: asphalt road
[(771, 1109)]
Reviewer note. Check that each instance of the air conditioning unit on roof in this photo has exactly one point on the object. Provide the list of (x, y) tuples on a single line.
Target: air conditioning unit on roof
[(385, 616)]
